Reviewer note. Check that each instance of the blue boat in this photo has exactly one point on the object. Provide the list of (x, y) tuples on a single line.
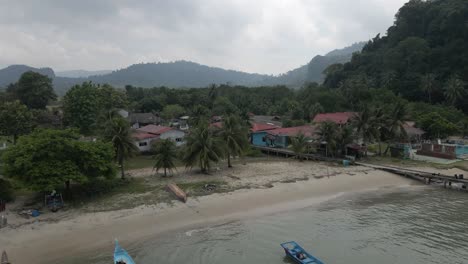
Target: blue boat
[(298, 254), (121, 256)]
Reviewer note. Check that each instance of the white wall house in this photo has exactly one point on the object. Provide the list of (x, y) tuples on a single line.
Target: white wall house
[(145, 136)]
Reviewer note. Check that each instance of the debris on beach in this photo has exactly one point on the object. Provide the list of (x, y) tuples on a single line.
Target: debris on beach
[(209, 187)]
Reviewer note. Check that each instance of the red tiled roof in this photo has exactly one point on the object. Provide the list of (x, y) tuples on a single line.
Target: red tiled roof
[(154, 129), (306, 130), (142, 135), (217, 125), (257, 127), (338, 118)]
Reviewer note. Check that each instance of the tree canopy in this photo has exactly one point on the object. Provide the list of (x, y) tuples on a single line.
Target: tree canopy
[(33, 89), (15, 120)]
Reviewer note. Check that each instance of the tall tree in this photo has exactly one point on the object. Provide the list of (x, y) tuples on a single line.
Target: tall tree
[(328, 135), (344, 137), (235, 136), (367, 125), (454, 90), (117, 131), (299, 145), (47, 159), (34, 90), (428, 84), (15, 120), (202, 148), (165, 155), (81, 107)]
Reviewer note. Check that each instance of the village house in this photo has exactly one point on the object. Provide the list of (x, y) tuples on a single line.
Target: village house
[(144, 136), (280, 137), (138, 120), (340, 118)]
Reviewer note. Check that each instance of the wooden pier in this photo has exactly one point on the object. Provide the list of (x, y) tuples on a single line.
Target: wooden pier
[(280, 152), (426, 177)]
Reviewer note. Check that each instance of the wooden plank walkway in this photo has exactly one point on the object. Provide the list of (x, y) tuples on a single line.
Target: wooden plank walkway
[(428, 177), (289, 153)]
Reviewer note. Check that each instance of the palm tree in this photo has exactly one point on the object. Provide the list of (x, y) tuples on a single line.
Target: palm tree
[(328, 134), (428, 85), (315, 109), (395, 122), (202, 148), (235, 137), (367, 126), (345, 136), (454, 89), (117, 131), (299, 144), (165, 155)]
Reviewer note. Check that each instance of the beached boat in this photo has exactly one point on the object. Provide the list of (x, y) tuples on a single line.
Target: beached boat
[(298, 254), (121, 256), (177, 192), (4, 258)]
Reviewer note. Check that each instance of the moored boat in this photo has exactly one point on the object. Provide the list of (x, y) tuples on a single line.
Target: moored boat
[(121, 256), (4, 258), (177, 192), (298, 254)]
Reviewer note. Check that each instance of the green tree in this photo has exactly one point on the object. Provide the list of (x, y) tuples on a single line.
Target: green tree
[(15, 120), (428, 85), (367, 125), (454, 90), (34, 90), (117, 131), (315, 109), (436, 126), (110, 98), (172, 111), (299, 145), (235, 136), (202, 148), (47, 158), (165, 155), (81, 107), (328, 135), (344, 137)]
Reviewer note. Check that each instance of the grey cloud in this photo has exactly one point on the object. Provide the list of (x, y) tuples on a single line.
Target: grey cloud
[(267, 36)]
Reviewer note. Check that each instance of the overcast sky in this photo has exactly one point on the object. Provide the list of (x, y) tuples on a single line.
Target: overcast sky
[(264, 36)]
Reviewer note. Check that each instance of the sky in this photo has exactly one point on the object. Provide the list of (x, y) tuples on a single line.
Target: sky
[(262, 36)]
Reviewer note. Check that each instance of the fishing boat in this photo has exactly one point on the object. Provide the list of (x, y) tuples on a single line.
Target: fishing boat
[(121, 256), (177, 192), (4, 258), (298, 254)]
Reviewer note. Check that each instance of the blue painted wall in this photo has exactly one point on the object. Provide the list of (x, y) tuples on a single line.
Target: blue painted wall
[(259, 139), (461, 150)]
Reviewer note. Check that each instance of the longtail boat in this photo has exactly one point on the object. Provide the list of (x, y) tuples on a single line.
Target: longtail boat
[(4, 258), (121, 256), (298, 254), (177, 192)]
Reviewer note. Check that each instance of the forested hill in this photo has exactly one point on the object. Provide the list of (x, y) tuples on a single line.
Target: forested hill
[(12, 73), (423, 57), (313, 71), (187, 74)]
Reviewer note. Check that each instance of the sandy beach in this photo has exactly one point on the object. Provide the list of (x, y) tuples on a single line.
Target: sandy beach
[(273, 187)]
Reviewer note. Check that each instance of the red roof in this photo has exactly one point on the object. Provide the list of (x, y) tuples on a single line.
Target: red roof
[(338, 118), (257, 127), (306, 130), (154, 129), (217, 125), (143, 135)]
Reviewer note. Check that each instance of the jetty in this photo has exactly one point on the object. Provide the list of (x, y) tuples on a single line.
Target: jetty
[(424, 176), (281, 152)]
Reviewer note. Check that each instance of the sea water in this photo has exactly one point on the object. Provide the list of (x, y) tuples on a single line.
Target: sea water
[(415, 224)]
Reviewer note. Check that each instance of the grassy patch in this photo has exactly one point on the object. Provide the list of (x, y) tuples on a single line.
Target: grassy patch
[(463, 165), (139, 162), (198, 188)]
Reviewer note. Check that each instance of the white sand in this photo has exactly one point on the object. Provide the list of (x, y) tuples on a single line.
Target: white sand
[(44, 242)]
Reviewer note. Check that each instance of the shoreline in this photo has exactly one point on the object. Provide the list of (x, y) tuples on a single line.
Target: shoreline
[(52, 242)]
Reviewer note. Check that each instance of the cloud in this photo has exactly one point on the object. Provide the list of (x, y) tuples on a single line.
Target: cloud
[(265, 36)]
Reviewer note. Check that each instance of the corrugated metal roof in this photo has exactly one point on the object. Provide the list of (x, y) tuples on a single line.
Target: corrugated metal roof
[(338, 118), (154, 129)]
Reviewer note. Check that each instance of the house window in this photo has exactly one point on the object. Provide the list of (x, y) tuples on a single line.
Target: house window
[(264, 139), (142, 144)]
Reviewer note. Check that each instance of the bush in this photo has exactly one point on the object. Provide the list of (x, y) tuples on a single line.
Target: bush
[(253, 152), (6, 190)]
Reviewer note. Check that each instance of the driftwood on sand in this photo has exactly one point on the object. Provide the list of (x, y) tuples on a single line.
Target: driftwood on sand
[(177, 192), (4, 258)]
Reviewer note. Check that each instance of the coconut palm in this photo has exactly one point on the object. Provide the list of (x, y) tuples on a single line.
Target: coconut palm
[(299, 144), (165, 155), (454, 89), (202, 148), (328, 134), (394, 123), (368, 124), (344, 137), (315, 109), (428, 85), (117, 131), (235, 136)]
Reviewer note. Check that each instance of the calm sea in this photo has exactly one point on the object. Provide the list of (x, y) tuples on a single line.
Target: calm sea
[(416, 224)]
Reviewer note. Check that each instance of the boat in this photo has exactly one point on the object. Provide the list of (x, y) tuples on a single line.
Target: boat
[(177, 192), (4, 258), (298, 254), (121, 256)]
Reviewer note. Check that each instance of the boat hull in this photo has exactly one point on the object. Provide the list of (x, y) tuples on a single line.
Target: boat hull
[(120, 255), (294, 251)]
